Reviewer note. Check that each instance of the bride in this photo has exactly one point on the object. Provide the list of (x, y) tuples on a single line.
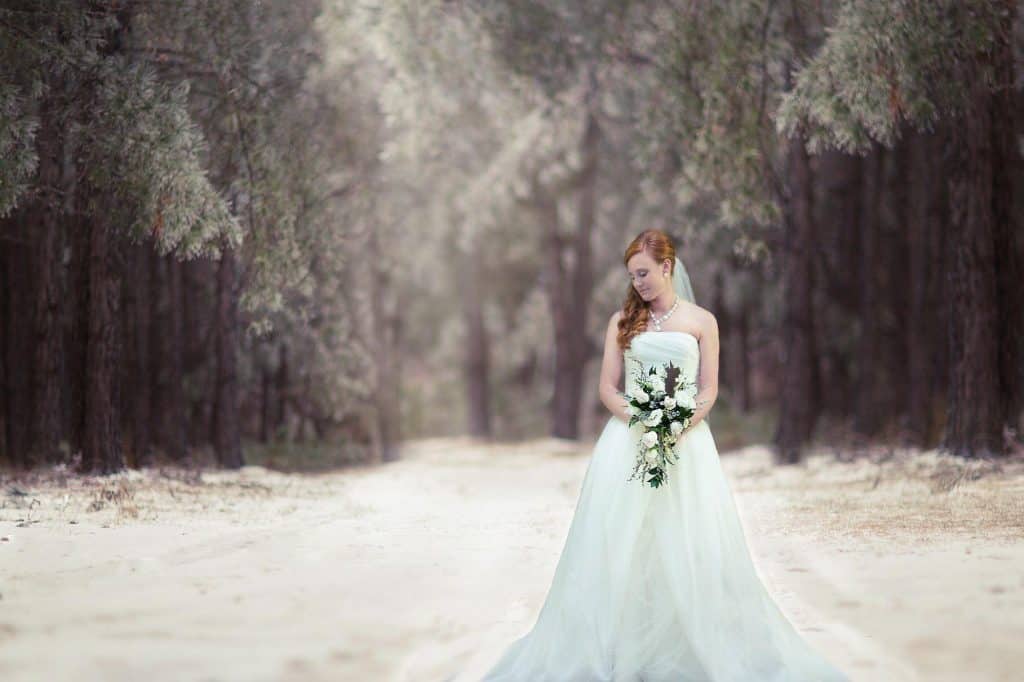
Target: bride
[(656, 584)]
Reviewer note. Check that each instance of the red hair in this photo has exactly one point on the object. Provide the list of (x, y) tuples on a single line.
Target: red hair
[(635, 310)]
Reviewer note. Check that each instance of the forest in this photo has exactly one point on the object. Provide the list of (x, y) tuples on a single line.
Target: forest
[(235, 228)]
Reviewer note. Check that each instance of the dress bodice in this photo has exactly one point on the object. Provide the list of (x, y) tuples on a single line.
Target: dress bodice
[(649, 348)]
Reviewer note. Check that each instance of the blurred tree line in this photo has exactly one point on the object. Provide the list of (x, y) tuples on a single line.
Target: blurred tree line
[(844, 177), (170, 267), (346, 222)]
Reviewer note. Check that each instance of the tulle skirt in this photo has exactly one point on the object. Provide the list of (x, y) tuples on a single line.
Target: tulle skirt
[(657, 584)]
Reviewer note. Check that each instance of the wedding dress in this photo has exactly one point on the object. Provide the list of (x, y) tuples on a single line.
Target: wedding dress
[(657, 584)]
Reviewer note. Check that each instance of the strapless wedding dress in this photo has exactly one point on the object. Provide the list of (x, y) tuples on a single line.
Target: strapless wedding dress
[(657, 584)]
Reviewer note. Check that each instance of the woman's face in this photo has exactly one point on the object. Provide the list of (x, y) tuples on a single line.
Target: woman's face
[(647, 275)]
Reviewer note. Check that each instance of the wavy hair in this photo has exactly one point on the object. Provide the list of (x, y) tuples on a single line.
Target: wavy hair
[(635, 310)]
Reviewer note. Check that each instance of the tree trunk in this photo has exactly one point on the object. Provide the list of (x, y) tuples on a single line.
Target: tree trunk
[(199, 293), (393, 376), (6, 458), (569, 289), (17, 340), (837, 205), (869, 412), (266, 384), (78, 327), (746, 400), (1009, 244), (227, 439), (925, 218), (894, 288), (157, 347), (102, 447), (46, 263), (175, 424), (976, 397), (798, 395), (476, 346), (140, 318), (387, 424), (281, 380)]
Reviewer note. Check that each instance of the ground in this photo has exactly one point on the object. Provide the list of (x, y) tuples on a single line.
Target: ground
[(897, 566)]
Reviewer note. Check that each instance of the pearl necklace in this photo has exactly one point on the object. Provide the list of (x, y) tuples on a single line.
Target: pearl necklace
[(656, 321)]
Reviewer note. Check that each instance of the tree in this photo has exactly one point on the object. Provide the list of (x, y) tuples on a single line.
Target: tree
[(720, 69), (159, 127), (886, 63)]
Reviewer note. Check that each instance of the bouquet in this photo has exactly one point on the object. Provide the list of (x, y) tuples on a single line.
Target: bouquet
[(664, 415)]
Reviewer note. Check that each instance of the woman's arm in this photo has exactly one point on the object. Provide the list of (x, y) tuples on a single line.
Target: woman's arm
[(707, 382), (611, 372)]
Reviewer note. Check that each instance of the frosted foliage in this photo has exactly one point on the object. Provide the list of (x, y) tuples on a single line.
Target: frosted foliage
[(30, 64), (716, 76), (143, 148), (442, 86), (883, 63), (461, 149), (196, 121), (440, 110), (18, 159), (540, 153), (442, 104)]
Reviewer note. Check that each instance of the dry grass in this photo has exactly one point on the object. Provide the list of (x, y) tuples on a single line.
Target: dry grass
[(55, 494), (881, 492), (886, 492)]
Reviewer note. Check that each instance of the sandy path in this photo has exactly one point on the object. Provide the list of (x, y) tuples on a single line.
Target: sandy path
[(425, 568)]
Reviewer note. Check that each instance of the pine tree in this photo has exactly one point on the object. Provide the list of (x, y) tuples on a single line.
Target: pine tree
[(924, 63)]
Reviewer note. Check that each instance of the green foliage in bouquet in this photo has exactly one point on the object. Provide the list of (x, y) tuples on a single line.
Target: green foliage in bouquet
[(664, 415)]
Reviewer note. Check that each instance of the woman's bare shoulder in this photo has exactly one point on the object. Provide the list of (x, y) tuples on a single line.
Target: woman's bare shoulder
[(708, 322), (698, 312), (704, 318)]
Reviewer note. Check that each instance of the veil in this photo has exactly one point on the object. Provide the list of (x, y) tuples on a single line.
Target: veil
[(684, 290), (681, 282)]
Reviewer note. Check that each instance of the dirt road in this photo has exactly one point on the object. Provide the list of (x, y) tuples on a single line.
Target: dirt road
[(424, 569)]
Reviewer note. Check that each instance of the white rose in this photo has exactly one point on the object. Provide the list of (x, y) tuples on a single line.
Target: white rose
[(652, 456), (676, 428), (650, 438), (658, 384), (654, 418), (684, 399), (639, 395), (633, 410), (668, 403)]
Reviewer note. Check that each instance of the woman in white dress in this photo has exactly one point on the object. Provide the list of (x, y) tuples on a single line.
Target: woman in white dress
[(657, 584)]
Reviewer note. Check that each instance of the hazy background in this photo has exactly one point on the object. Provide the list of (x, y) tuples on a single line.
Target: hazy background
[(299, 233)]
